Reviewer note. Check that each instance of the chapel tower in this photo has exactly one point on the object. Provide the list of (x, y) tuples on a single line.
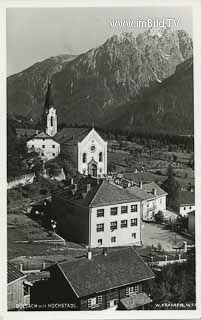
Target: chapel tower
[(49, 113)]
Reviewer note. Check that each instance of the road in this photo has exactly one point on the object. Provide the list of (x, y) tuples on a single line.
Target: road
[(152, 234)]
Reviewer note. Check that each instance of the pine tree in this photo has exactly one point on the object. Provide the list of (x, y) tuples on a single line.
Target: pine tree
[(171, 186)]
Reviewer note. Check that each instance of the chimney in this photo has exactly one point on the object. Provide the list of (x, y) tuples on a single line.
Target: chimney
[(154, 191), (75, 187), (71, 181), (88, 187), (89, 254), (21, 267), (140, 184)]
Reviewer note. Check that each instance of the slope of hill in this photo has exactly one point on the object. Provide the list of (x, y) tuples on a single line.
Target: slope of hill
[(94, 85), (165, 107)]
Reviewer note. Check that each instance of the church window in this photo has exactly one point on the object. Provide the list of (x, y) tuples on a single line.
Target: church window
[(43, 146), (84, 157), (53, 154), (100, 156), (53, 146), (51, 121)]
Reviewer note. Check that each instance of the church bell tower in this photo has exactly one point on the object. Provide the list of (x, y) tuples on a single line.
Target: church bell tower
[(49, 114)]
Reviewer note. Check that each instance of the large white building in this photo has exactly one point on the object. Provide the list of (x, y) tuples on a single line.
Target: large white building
[(44, 143), (98, 214)]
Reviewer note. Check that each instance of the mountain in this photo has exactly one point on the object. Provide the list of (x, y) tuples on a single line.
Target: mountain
[(166, 107), (95, 84), (26, 89)]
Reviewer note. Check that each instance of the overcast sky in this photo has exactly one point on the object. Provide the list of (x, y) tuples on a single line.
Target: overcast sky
[(34, 34)]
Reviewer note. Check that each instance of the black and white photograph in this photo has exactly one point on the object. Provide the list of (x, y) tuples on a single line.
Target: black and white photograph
[(100, 159)]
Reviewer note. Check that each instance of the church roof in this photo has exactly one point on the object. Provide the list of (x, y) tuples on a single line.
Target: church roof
[(72, 135)]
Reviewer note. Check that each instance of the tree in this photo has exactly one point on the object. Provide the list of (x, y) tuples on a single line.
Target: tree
[(171, 186)]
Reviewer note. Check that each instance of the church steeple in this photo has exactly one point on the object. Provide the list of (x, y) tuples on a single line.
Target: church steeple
[(49, 118)]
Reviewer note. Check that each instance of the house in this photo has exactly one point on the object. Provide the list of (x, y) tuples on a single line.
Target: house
[(18, 292), (98, 214), (44, 143), (153, 199), (187, 203), (110, 280), (191, 222), (86, 148)]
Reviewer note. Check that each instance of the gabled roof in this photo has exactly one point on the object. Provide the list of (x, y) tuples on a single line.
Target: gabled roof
[(148, 187), (71, 135), (143, 195), (135, 301), (13, 273), (43, 135), (102, 273), (101, 194), (187, 198)]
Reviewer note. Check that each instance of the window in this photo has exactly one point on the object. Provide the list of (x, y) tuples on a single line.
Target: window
[(184, 208), (113, 225), (112, 303), (100, 170), (43, 146), (161, 201), (26, 289), (43, 139), (42, 154), (113, 239), (113, 211), (100, 227), (51, 121), (32, 146), (133, 222), (84, 157), (134, 208), (84, 171), (100, 213), (100, 242), (134, 235), (131, 291), (95, 302), (53, 154), (53, 146), (124, 223), (190, 208), (100, 156), (124, 209)]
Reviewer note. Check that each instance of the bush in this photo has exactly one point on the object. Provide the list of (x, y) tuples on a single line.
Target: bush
[(159, 217)]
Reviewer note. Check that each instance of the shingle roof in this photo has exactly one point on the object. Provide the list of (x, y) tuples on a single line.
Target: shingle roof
[(71, 135), (142, 194), (100, 194), (102, 273), (187, 197), (13, 273), (148, 187), (42, 135)]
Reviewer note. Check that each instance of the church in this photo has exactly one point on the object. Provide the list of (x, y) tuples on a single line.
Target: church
[(85, 147)]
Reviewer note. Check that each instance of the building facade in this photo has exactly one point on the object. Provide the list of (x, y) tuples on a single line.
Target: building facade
[(98, 215), (112, 280), (18, 291), (187, 203), (46, 147)]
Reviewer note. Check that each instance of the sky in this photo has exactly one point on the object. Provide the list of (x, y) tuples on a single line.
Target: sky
[(34, 34)]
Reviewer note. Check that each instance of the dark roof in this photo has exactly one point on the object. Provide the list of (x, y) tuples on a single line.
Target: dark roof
[(135, 301), (71, 135), (102, 273), (43, 135), (13, 273), (148, 187), (187, 197), (100, 194), (143, 195)]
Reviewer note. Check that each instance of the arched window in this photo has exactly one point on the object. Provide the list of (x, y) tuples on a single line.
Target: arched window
[(51, 121), (100, 156), (84, 157)]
